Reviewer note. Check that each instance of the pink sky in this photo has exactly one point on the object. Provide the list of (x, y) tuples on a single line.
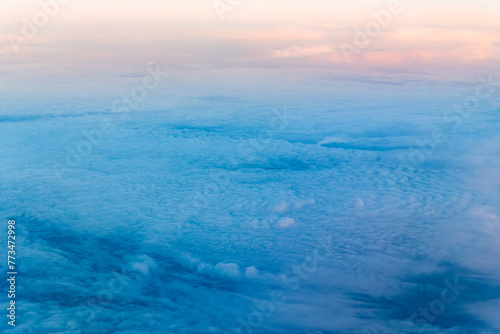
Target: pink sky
[(422, 36)]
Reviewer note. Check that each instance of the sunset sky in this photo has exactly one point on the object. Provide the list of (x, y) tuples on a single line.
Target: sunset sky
[(424, 36)]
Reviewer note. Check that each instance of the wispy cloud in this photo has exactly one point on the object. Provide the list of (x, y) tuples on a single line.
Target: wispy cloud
[(298, 51)]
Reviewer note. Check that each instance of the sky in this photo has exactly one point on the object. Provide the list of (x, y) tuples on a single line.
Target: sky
[(422, 36), (269, 170)]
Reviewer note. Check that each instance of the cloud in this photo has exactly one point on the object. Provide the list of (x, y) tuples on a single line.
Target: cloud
[(285, 222), (300, 51), (101, 252)]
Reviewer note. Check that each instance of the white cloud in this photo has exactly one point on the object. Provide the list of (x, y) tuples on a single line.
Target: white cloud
[(298, 51), (285, 222)]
